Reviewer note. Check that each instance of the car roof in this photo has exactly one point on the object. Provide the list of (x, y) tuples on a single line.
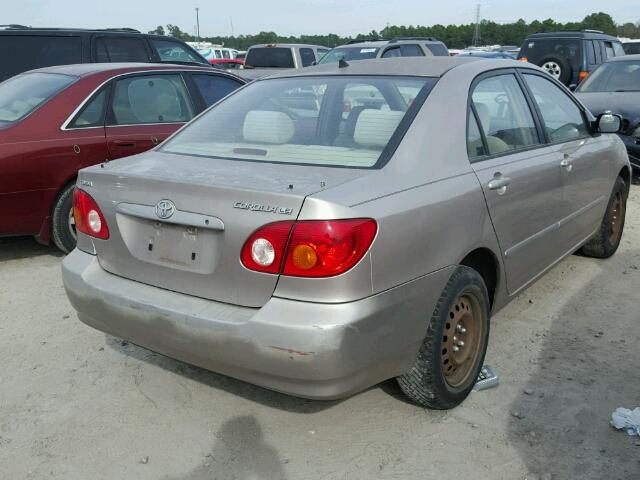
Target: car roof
[(625, 58), (404, 66), (286, 45), (86, 69), (631, 40), (393, 41), (572, 34)]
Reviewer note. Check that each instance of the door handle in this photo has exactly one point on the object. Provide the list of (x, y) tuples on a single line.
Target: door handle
[(567, 163), (124, 143), (499, 184)]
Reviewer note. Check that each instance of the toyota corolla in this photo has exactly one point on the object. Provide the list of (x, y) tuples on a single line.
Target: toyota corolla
[(318, 232)]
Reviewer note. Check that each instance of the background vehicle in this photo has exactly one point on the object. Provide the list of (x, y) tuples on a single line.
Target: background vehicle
[(396, 47), (615, 86), (482, 54), (57, 120), (222, 57), (269, 58), (318, 251), (25, 48), (631, 47), (569, 57)]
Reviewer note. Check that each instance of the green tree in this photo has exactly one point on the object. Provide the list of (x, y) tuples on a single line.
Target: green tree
[(600, 21), (158, 31)]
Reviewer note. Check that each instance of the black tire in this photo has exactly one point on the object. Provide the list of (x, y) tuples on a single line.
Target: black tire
[(426, 383), (61, 232), (607, 239), (565, 69)]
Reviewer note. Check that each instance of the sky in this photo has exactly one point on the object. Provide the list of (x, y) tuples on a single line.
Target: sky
[(288, 17)]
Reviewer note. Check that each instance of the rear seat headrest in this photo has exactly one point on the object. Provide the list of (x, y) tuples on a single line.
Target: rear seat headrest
[(263, 126), (375, 127)]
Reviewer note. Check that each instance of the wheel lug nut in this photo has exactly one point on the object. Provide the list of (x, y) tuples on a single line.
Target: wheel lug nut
[(461, 329), (461, 343), (455, 349), (455, 339)]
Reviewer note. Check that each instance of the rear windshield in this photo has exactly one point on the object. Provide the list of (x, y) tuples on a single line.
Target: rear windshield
[(21, 95), (349, 53), (540, 50), (344, 121), (613, 77), (631, 48), (270, 57)]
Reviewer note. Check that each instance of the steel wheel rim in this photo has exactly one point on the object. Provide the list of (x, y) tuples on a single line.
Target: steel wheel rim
[(553, 69), (462, 340), (617, 217), (72, 225)]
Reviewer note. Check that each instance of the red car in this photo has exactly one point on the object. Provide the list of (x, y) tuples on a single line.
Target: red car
[(57, 120)]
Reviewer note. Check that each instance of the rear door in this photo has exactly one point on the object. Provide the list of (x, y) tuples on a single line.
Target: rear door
[(581, 157), (519, 174), (208, 88), (144, 109)]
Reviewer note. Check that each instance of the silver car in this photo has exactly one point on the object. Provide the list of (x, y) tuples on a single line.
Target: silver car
[(319, 232)]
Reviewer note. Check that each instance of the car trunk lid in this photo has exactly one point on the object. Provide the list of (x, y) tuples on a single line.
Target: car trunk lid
[(215, 205)]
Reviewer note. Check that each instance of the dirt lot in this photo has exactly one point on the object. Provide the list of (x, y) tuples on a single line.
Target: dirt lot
[(76, 404)]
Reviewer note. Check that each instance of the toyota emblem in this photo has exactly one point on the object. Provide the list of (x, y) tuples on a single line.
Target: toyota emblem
[(165, 208)]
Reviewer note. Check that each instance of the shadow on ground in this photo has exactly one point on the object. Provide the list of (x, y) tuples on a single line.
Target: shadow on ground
[(239, 451), (589, 366), (251, 392), (16, 248)]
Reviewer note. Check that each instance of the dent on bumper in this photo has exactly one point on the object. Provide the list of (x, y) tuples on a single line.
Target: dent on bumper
[(312, 350)]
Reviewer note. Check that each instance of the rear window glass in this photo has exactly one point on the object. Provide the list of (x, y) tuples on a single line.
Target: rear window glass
[(539, 50), (350, 53), (613, 77), (21, 95), (438, 49), (276, 57), (329, 121), (20, 53), (631, 48), (118, 49)]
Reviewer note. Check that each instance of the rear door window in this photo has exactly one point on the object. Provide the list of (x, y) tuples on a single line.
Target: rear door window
[(170, 51), (591, 53), (20, 53), (562, 119), (307, 56), (618, 50), (214, 87), (608, 50), (475, 145), (270, 57), (121, 49), (505, 117), (149, 99)]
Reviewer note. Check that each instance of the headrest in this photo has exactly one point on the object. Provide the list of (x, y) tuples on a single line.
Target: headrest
[(375, 127), (263, 126)]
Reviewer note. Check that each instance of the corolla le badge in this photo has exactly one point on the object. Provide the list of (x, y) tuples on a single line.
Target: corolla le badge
[(258, 207), (165, 208)]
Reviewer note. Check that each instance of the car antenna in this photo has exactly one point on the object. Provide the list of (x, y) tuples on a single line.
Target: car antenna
[(342, 63)]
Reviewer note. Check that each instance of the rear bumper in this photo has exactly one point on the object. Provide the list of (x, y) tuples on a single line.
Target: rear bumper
[(320, 351)]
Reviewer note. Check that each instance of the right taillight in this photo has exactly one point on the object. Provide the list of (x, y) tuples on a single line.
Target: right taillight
[(88, 216), (523, 59), (310, 248)]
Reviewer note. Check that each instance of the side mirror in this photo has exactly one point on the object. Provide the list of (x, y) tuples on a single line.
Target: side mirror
[(608, 122)]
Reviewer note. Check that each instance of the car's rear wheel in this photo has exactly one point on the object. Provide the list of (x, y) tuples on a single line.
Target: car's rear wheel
[(454, 347), (557, 67), (607, 239), (63, 226)]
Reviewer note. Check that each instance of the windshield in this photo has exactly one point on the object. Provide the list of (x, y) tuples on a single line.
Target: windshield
[(269, 57), (21, 95), (631, 48), (620, 76), (342, 121), (349, 53)]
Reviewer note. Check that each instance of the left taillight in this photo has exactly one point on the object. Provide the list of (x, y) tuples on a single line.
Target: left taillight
[(309, 248), (88, 216)]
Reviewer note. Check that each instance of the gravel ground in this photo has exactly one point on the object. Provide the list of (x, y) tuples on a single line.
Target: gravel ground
[(76, 404)]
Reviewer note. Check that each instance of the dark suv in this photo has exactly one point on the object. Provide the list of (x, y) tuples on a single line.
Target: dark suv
[(569, 56), (24, 48)]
